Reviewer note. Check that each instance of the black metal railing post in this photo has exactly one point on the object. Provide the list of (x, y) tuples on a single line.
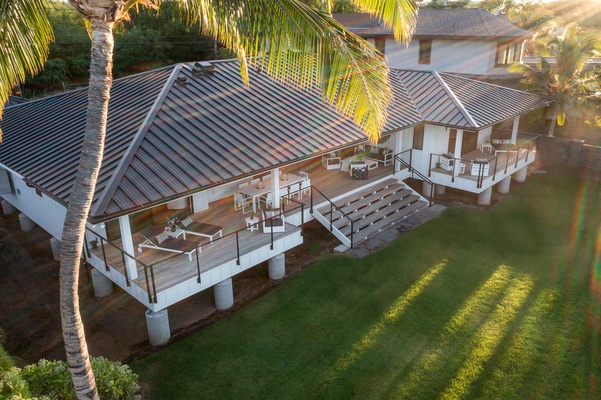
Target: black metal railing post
[(238, 248), (198, 264)]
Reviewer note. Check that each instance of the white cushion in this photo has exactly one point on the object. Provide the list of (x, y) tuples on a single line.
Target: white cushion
[(186, 221), (162, 237)]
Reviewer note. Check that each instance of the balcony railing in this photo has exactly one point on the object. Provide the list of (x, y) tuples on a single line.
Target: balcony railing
[(522, 151), (115, 257)]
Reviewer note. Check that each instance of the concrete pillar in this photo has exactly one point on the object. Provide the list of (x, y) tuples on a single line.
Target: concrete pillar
[(439, 189), (224, 294), (484, 197), (103, 286), (276, 267), (157, 324), (426, 188), (26, 223), (8, 208), (503, 186), (520, 176), (55, 244)]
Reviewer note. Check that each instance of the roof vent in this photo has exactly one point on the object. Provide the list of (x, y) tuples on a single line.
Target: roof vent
[(203, 67), (181, 79)]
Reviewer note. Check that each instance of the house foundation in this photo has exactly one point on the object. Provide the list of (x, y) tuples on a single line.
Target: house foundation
[(503, 186), (103, 286), (521, 175), (224, 294), (55, 245), (26, 223), (276, 267), (484, 197), (157, 323), (8, 208)]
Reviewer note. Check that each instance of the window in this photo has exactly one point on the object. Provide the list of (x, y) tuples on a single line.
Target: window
[(425, 52), (508, 53), (418, 137), (380, 44)]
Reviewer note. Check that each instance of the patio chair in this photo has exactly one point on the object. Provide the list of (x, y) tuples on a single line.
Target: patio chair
[(242, 202), (191, 227), (273, 224), (158, 238)]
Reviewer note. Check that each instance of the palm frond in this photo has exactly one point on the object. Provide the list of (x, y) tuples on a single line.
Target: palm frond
[(24, 36), (301, 46), (400, 15)]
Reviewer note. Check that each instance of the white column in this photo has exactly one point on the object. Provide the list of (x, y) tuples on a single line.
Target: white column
[(276, 267), (397, 142), (521, 175), (26, 223), (503, 186), (157, 323), (8, 208), (55, 245), (103, 286), (458, 143), (439, 189), (484, 197), (128, 246), (426, 189), (224, 294), (514, 130), (275, 188)]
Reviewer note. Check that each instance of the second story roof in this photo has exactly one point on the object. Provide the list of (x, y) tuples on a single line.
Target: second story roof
[(440, 23)]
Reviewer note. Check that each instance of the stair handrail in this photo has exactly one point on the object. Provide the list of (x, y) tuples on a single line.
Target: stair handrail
[(397, 157), (332, 206)]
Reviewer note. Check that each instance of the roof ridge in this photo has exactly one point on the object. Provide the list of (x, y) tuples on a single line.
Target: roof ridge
[(113, 183), (455, 100)]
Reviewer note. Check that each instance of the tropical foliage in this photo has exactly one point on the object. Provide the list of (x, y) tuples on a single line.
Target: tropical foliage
[(52, 380), (562, 72), (24, 36)]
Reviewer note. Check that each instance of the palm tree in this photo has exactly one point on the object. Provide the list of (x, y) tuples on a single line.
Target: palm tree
[(22, 50), (562, 72), (292, 42)]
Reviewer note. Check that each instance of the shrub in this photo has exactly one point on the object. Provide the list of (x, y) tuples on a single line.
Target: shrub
[(53, 379)]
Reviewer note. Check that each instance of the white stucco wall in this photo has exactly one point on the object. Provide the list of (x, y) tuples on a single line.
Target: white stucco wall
[(460, 56), (42, 210)]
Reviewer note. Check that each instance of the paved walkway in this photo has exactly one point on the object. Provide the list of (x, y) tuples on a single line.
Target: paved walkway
[(383, 238)]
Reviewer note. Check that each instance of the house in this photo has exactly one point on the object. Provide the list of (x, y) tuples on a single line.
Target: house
[(203, 178), (466, 41)]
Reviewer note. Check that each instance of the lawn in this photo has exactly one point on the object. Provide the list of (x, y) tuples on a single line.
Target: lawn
[(502, 304)]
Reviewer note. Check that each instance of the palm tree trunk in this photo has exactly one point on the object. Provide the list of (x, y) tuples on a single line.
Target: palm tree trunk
[(554, 113), (79, 206)]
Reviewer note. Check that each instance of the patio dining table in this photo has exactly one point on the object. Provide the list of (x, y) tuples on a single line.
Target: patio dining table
[(255, 191)]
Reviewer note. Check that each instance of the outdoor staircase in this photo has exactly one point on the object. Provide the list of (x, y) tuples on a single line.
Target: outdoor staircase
[(372, 210)]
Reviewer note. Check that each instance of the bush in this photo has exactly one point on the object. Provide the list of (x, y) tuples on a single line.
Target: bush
[(53, 379)]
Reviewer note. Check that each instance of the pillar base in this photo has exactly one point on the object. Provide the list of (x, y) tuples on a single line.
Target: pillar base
[(521, 175), (55, 244), (157, 323), (426, 189), (103, 286), (26, 223), (439, 189), (224, 294), (484, 197), (503, 186), (8, 208), (276, 267)]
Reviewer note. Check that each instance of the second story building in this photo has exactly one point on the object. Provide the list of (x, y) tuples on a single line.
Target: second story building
[(465, 41)]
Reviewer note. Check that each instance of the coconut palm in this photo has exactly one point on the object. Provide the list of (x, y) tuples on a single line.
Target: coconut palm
[(22, 50), (562, 72), (292, 42)]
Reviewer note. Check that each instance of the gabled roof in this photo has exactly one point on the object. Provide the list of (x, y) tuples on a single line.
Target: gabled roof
[(447, 23), (464, 103), (167, 139)]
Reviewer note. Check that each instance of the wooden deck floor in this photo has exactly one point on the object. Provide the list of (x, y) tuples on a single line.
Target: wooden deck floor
[(169, 269)]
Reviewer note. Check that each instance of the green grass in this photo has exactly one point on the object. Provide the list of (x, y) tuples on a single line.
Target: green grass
[(498, 304)]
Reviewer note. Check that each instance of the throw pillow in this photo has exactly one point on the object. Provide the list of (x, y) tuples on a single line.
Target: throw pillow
[(162, 237), (186, 221)]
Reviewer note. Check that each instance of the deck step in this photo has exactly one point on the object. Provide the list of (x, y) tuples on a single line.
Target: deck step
[(371, 210)]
